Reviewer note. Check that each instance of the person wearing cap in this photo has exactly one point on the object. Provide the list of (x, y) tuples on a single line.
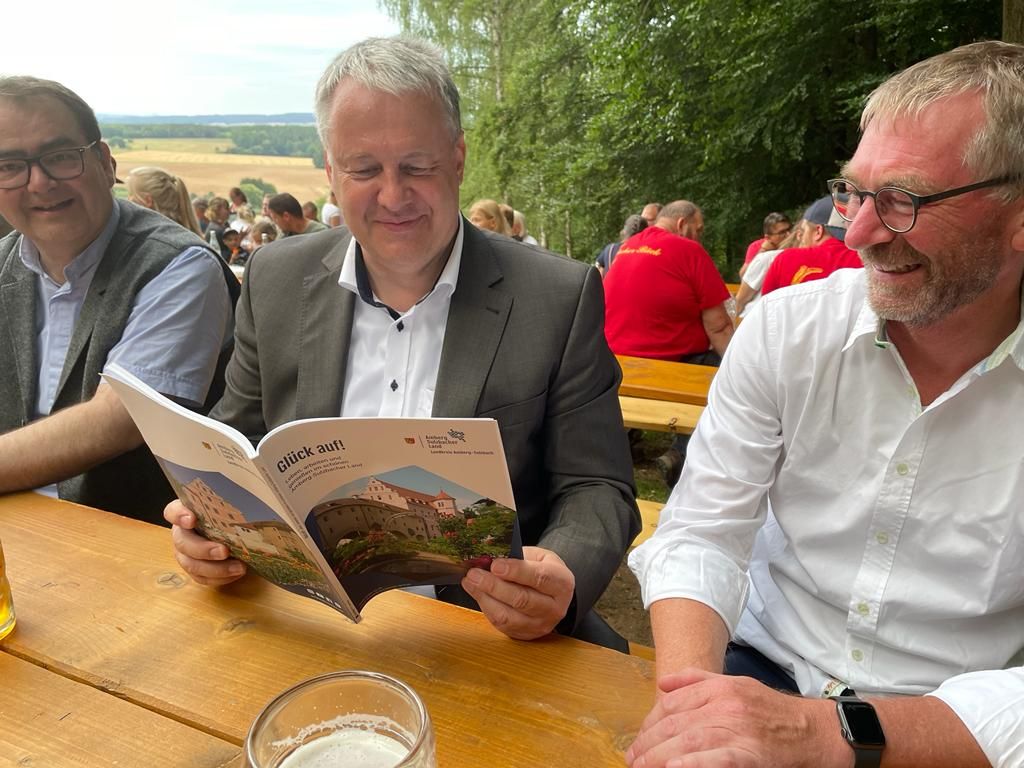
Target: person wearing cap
[(849, 515), (86, 281), (822, 250)]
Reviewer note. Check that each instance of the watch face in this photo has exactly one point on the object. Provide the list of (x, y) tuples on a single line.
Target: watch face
[(863, 722)]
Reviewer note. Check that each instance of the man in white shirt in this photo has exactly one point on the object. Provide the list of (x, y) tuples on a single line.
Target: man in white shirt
[(850, 510), (412, 311)]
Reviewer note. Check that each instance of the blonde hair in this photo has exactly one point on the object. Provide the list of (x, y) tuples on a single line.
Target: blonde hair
[(168, 194), (993, 69), (491, 210)]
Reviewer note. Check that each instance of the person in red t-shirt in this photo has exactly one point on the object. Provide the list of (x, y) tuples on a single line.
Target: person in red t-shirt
[(776, 227), (823, 250), (664, 298)]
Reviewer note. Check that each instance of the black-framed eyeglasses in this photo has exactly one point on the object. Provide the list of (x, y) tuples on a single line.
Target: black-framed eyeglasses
[(896, 208), (59, 165)]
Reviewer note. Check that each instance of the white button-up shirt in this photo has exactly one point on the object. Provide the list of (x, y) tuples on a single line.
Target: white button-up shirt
[(393, 359), (885, 540)]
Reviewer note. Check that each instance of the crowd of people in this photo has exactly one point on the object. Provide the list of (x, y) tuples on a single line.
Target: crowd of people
[(834, 580)]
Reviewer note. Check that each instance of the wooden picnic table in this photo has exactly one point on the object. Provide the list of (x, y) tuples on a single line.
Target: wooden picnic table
[(664, 380), (114, 642)]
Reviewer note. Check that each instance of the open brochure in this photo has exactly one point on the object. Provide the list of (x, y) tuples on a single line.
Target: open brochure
[(338, 509)]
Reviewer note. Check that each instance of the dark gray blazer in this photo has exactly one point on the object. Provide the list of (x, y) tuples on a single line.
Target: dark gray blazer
[(524, 345)]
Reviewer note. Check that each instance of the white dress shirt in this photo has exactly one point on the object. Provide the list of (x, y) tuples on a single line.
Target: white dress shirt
[(393, 358), (885, 540)]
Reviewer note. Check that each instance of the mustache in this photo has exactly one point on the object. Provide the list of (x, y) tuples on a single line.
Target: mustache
[(894, 254)]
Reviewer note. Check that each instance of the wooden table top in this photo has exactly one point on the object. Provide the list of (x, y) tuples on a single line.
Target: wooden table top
[(664, 380), (103, 606)]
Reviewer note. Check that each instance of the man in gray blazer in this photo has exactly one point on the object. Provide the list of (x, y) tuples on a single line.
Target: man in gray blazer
[(414, 312)]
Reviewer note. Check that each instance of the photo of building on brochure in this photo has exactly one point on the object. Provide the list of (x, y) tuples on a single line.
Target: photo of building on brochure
[(256, 536), (409, 524)]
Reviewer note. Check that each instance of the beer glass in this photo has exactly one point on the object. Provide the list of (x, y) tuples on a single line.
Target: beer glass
[(6, 601), (351, 719)]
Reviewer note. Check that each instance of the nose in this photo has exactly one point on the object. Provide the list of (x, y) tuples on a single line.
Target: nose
[(38, 179), (391, 194), (867, 229)]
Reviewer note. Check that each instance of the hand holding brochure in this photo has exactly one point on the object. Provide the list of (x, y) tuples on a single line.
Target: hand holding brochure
[(338, 509)]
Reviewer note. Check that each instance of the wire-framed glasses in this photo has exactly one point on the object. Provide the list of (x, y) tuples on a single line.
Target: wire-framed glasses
[(896, 208), (59, 165)]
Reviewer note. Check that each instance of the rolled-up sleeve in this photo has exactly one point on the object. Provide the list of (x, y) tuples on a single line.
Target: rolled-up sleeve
[(701, 548), (991, 705)]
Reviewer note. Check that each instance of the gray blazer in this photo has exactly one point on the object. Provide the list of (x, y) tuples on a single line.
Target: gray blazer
[(524, 345)]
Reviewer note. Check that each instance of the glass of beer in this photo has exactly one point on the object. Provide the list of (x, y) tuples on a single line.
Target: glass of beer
[(6, 601), (351, 719)]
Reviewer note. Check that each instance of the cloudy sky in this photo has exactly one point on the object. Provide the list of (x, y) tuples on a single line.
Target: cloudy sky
[(143, 57)]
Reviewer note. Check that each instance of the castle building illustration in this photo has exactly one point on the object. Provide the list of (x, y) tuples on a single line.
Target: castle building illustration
[(386, 507), (218, 516)]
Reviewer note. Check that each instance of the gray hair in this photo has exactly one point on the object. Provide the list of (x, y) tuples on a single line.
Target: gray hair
[(394, 65), (993, 68)]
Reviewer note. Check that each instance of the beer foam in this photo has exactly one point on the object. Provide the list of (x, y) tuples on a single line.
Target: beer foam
[(357, 740), (350, 747)]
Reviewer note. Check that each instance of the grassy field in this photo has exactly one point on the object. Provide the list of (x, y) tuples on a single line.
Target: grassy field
[(207, 169)]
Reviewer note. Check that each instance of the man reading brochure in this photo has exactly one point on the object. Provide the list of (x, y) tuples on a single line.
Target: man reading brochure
[(412, 311)]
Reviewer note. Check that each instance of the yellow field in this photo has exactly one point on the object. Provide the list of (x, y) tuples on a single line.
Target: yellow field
[(207, 171)]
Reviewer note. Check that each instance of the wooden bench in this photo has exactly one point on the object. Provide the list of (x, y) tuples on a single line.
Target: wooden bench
[(650, 511), (659, 415)]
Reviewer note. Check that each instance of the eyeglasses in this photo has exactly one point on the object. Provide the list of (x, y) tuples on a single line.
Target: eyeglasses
[(896, 208), (779, 232), (59, 165)]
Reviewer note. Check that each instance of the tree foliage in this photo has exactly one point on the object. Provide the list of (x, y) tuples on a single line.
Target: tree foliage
[(577, 112)]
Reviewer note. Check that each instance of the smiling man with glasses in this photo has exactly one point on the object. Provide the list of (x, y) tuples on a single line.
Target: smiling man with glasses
[(85, 281), (849, 515)]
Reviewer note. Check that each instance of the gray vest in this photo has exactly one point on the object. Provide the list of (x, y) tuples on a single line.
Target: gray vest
[(143, 244)]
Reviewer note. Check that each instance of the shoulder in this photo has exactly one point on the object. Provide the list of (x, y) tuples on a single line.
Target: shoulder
[(295, 257), (521, 264), (839, 296)]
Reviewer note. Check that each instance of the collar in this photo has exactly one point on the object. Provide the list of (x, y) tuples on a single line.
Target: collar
[(356, 279), (83, 263), (868, 322)]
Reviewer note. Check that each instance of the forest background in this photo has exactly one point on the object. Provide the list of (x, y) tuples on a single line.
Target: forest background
[(577, 112)]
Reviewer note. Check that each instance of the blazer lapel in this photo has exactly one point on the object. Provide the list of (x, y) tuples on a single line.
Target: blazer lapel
[(327, 311), (476, 321), (18, 302)]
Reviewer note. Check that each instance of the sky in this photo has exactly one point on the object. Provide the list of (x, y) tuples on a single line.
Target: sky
[(185, 57)]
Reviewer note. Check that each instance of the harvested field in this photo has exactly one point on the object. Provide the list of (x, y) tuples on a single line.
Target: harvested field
[(207, 171)]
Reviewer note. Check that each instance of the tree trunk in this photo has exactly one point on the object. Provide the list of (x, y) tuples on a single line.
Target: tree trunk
[(1013, 21)]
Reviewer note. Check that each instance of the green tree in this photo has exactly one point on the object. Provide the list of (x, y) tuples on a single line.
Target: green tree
[(579, 112)]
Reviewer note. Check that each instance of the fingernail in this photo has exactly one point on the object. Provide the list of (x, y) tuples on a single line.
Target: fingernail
[(236, 569), (218, 552), (475, 576), (499, 567)]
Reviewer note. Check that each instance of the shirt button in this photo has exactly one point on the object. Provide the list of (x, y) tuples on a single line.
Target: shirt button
[(400, 326), (863, 609), (394, 385), (882, 537), (902, 469), (857, 654)]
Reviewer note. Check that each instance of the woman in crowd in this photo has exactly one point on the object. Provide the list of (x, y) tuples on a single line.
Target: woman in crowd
[(486, 214), (217, 214), (156, 189)]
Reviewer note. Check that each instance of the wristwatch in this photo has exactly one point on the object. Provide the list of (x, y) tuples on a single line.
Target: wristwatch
[(861, 729)]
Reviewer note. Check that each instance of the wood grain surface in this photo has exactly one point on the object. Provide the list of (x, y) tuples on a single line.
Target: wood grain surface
[(49, 720), (665, 380), (101, 600)]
